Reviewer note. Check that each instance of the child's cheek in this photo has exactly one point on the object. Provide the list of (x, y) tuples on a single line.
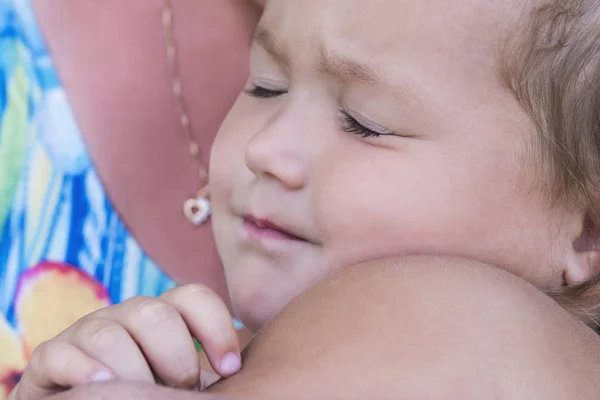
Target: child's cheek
[(376, 204)]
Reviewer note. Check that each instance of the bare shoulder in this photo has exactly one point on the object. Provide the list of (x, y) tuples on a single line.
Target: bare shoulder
[(422, 327)]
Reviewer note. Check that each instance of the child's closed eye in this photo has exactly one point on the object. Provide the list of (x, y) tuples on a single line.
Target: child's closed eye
[(351, 125), (264, 93)]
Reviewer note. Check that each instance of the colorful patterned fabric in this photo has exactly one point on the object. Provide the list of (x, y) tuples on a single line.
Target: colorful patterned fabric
[(64, 251)]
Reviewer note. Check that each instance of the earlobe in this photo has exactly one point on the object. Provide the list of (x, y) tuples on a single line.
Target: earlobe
[(586, 263), (585, 267)]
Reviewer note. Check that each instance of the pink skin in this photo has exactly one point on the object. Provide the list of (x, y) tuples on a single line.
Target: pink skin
[(125, 118), (451, 174)]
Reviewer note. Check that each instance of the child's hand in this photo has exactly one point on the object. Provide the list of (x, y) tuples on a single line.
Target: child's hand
[(137, 340)]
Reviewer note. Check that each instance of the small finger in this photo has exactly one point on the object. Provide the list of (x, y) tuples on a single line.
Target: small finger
[(164, 339), (109, 343), (208, 318), (56, 365)]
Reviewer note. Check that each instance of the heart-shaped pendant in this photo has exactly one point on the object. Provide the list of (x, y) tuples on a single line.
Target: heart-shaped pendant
[(197, 210)]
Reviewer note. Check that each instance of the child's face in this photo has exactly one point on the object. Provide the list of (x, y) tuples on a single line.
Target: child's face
[(453, 175)]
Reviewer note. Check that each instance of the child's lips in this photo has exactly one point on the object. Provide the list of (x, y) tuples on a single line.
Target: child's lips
[(266, 229)]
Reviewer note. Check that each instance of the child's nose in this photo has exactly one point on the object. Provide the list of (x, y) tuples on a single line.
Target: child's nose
[(276, 153)]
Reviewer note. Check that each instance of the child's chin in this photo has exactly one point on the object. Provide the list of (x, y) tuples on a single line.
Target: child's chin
[(254, 309)]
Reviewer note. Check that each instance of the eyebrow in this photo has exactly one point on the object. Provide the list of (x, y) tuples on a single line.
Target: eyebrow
[(273, 46), (331, 64), (343, 67)]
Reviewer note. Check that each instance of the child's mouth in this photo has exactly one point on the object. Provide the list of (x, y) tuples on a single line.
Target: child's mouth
[(265, 229)]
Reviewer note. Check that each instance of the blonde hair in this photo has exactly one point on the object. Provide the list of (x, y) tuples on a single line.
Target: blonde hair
[(553, 69)]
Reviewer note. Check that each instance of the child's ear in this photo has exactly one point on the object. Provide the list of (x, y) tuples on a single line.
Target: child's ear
[(586, 247)]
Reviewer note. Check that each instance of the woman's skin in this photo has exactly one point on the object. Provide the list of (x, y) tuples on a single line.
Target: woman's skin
[(409, 328), (111, 57)]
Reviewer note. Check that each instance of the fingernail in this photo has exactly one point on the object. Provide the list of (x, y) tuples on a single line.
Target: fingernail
[(230, 364), (101, 376)]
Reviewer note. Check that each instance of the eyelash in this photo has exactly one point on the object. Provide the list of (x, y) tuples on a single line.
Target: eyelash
[(349, 124), (263, 93)]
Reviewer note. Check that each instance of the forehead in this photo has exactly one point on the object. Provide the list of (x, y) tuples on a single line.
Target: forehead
[(450, 34)]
